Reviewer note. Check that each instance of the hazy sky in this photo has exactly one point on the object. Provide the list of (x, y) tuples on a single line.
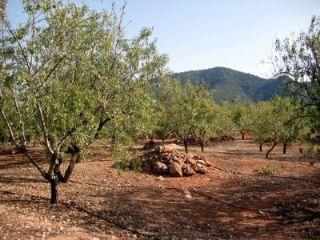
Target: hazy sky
[(199, 34)]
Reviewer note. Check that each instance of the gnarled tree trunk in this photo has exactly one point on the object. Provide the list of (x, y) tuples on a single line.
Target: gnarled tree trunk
[(269, 151)]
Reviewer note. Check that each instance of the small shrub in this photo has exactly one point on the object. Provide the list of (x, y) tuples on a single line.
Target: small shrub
[(311, 154), (268, 170), (129, 164)]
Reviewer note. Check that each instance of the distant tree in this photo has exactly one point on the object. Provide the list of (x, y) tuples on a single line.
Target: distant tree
[(179, 102), (224, 121), (275, 122), (242, 117), (66, 76), (206, 115), (293, 127), (261, 127), (299, 59), (163, 128), (188, 111)]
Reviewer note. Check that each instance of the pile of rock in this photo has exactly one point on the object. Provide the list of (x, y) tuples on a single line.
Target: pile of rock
[(165, 160)]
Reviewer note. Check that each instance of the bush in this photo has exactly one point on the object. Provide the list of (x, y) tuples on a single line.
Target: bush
[(129, 164), (312, 154), (268, 170)]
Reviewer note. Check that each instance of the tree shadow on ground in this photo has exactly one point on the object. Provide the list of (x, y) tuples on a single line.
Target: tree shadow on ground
[(250, 209), (253, 209), (274, 155), (241, 207), (18, 180), (19, 160)]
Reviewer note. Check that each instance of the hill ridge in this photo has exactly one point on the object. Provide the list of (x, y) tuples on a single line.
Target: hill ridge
[(229, 84)]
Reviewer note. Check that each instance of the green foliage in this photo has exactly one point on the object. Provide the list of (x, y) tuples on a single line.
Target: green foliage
[(299, 60), (242, 116), (84, 69), (127, 162), (163, 126), (268, 170), (206, 118), (311, 154), (275, 121), (3, 6), (224, 121), (185, 110), (71, 77), (230, 85)]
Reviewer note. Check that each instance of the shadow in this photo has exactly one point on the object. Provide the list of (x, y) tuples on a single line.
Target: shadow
[(239, 207), (243, 153), (20, 160), (249, 209), (18, 180)]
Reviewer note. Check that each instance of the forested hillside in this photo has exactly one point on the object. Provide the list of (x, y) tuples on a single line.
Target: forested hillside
[(228, 84)]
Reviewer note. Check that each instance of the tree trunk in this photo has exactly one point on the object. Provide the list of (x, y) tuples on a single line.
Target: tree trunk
[(269, 151), (285, 146), (185, 145), (54, 191), (69, 170), (242, 135), (260, 147), (202, 145), (79, 158)]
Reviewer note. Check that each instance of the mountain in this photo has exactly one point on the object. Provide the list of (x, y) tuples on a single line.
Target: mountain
[(228, 84)]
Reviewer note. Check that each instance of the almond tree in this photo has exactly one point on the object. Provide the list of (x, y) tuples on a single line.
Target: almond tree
[(206, 118), (275, 122), (242, 117), (299, 60), (263, 126), (65, 75), (179, 104), (163, 126), (189, 111), (224, 121)]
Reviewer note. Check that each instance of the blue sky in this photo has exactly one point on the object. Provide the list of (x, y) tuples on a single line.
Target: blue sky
[(199, 34)]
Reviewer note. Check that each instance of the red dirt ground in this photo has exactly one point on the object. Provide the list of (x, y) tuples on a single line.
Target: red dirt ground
[(233, 200)]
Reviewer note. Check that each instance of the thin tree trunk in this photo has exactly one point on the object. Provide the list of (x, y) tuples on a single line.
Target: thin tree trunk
[(260, 147), (185, 145), (202, 145), (269, 151), (54, 191), (285, 146), (79, 157), (242, 135)]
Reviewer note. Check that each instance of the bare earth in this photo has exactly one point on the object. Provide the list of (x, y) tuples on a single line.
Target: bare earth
[(233, 201)]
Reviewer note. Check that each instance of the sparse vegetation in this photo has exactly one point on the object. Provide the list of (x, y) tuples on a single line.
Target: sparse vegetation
[(129, 164), (268, 170), (72, 77)]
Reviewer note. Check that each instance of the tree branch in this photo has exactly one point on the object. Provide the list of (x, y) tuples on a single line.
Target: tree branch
[(44, 129)]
